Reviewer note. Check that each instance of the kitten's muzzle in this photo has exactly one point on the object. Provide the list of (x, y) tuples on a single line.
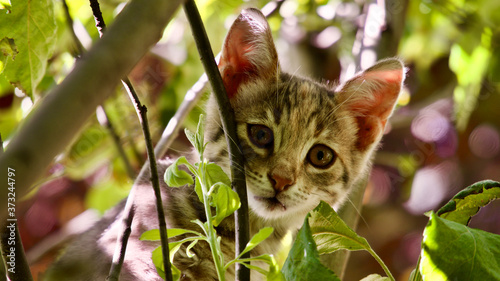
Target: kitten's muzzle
[(271, 202), (280, 183)]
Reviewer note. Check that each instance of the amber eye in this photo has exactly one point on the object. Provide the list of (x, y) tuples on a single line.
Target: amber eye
[(260, 135), (321, 156)]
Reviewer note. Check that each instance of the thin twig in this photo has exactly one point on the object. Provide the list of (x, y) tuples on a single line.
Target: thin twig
[(103, 118), (143, 118), (229, 125), (15, 262), (99, 21), (119, 255), (142, 114)]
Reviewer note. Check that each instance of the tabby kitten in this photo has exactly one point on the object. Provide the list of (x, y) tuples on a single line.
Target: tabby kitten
[(303, 142)]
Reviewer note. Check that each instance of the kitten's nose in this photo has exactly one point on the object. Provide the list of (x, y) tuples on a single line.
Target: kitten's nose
[(279, 182)]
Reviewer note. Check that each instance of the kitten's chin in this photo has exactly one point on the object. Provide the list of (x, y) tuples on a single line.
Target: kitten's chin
[(271, 208)]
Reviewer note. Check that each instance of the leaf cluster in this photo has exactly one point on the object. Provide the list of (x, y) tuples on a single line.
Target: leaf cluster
[(450, 249)]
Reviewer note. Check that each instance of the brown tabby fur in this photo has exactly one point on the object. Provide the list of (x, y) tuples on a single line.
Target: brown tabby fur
[(283, 182)]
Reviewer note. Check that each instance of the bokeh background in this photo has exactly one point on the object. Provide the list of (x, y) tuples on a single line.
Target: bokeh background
[(444, 135)]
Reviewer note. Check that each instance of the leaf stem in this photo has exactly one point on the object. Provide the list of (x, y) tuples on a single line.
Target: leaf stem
[(210, 231), (381, 262)]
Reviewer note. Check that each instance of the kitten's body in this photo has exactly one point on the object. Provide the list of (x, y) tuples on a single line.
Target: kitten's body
[(303, 142)]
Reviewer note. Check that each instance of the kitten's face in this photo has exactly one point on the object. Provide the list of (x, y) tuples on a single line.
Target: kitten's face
[(303, 141), (298, 144)]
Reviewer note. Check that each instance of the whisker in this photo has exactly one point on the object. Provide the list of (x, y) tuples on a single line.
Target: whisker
[(359, 213)]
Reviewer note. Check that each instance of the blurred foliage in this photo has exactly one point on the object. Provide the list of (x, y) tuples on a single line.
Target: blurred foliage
[(444, 135)]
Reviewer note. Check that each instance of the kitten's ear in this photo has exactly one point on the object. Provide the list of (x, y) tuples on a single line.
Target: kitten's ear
[(248, 51), (372, 96)]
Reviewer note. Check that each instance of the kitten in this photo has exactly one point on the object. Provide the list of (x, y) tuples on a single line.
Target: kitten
[(303, 142)]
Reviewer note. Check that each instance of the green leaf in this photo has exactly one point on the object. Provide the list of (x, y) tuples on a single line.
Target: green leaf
[(331, 233), (216, 174), (197, 139), (157, 258), (198, 189), (31, 28), (200, 137), (453, 251), (257, 238), (175, 177), (191, 137), (273, 274), (303, 261), (154, 234), (467, 202), (189, 247), (8, 50), (226, 202)]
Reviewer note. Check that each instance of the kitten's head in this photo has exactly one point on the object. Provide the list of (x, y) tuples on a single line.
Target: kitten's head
[(303, 141)]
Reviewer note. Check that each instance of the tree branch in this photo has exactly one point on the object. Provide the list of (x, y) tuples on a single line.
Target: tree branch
[(53, 125), (229, 126), (116, 266)]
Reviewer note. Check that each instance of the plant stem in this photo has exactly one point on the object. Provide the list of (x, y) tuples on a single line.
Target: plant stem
[(229, 125), (210, 231), (382, 264)]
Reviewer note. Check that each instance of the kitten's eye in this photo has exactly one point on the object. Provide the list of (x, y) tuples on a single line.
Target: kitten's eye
[(321, 156), (260, 135)]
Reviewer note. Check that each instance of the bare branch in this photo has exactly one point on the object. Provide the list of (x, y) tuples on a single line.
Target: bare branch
[(121, 243)]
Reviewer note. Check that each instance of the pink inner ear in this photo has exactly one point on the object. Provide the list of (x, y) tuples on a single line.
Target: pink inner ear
[(234, 65), (248, 51), (374, 112)]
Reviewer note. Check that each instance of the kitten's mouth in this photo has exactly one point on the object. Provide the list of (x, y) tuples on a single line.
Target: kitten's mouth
[(271, 202)]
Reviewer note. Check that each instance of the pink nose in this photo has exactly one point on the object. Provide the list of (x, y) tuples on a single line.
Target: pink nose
[(280, 183)]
